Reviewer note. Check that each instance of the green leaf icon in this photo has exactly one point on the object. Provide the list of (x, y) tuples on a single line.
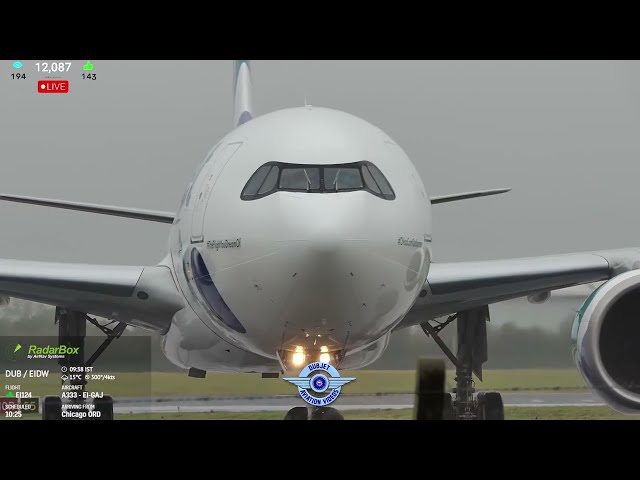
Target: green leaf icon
[(18, 347), (11, 394), (88, 66)]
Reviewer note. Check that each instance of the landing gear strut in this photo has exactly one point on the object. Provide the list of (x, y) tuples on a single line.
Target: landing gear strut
[(72, 330), (431, 400)]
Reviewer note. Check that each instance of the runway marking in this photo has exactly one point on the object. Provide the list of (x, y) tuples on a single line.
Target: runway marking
[(283, 408), (282, 403), (525, 405)]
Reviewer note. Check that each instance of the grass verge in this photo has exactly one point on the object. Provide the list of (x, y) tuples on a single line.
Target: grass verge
[(511, 413)]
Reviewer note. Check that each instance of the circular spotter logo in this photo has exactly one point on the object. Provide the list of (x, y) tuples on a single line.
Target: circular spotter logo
[(315, 387)]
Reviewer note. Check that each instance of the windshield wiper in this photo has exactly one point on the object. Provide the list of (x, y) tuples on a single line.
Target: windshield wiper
[(335, 181), (308, 181)]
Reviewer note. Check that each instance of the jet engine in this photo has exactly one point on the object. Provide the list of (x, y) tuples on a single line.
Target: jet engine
[(606, 332)]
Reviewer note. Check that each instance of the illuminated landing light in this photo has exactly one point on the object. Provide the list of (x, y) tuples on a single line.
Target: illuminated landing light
[(298, 358), (324, 349), (325, 357)]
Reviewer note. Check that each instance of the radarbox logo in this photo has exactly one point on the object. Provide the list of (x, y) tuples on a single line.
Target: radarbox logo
[(49, 351), (13, 352)]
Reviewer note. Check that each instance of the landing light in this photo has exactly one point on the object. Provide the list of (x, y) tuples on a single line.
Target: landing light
[(298, 358), (325, 357)]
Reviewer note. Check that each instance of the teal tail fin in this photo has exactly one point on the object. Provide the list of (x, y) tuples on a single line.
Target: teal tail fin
[(241, 92)]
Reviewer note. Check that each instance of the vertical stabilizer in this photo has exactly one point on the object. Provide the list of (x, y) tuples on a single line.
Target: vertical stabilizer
[(242, 112)]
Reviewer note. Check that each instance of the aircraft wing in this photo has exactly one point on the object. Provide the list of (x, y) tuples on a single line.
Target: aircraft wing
[(142, 296), (467, 195), (136, 213), (453, 287)]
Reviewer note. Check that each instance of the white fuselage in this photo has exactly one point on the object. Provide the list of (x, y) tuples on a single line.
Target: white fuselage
[(296, 270)]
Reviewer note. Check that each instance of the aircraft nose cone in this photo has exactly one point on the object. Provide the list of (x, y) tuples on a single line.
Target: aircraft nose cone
[(344, 282), (331, 275)]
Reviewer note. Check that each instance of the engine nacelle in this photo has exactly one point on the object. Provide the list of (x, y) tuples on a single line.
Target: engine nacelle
[(606, 331)]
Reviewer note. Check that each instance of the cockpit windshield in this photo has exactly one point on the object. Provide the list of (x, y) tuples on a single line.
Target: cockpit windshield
[(300, 179), (349, 177)]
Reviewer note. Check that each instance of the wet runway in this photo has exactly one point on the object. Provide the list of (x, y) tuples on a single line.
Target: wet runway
[(345, 402)]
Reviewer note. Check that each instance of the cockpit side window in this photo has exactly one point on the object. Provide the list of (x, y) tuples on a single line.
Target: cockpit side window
[(380, 180), (270, 181), (277, 176), (257, 179), (369, 181)]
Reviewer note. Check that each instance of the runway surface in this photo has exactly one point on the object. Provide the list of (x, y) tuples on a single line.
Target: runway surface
[(345, 402)]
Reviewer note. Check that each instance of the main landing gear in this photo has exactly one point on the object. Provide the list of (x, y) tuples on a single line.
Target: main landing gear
[(72, 330), (432, 402), (313, 413)]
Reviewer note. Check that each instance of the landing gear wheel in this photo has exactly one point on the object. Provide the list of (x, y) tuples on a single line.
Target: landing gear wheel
[(326, 413), (490, 406), (447, 409), (430, 395), (297, 413), (104, 405), (52, 408)]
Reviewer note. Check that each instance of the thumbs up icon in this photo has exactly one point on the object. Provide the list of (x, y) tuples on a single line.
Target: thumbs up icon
[(88, 66)]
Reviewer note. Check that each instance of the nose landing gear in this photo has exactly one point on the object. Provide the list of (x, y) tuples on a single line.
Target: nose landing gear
[(432, 402), (313, 413)]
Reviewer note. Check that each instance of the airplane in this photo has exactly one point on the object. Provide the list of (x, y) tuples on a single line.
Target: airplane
[(306, 235)]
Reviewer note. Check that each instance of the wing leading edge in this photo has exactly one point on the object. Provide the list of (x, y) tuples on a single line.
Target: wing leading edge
[(146, 297), (136, 213), (467, 195), (453, 287)]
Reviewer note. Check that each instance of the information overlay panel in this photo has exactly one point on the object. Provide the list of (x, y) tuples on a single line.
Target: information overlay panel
[(39, 374)]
